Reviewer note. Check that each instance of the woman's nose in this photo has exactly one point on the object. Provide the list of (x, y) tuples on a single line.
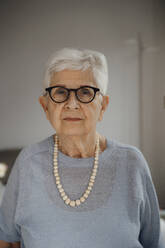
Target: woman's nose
[(72, 101)]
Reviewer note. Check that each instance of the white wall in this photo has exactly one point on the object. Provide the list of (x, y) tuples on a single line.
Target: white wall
[(32, 30)]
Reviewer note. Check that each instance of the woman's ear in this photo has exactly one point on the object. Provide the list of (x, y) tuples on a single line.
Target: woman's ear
[(104, 105), (44, 103)]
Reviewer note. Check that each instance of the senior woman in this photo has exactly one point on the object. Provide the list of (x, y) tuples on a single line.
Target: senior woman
[(77, 188)]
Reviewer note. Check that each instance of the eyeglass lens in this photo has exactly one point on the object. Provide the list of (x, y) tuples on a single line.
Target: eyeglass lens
[(84, 94)]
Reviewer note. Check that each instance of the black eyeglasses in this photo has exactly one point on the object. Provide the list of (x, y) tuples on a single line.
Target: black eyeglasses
[(84, 94)]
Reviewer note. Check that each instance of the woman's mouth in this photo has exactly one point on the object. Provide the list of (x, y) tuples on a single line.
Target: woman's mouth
[(72, 119)]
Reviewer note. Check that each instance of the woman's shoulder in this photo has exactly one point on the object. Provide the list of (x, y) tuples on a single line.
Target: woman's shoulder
[(33, 149), (132, 156), (123, 148)]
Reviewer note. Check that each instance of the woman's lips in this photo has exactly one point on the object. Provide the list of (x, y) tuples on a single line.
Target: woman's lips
[(72, 119)]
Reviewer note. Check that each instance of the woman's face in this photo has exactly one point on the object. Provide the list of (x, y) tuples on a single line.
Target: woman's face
[(89, 113)]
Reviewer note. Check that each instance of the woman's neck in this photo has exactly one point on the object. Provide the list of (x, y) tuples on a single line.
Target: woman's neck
[(80, 146)]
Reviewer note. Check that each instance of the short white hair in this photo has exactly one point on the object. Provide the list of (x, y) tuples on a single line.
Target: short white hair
[(76, 59)]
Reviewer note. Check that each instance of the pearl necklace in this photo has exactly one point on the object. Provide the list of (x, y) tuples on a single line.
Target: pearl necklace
[(85, 195)]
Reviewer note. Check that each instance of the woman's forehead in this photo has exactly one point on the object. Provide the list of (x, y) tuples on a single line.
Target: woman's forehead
[(72, 76)]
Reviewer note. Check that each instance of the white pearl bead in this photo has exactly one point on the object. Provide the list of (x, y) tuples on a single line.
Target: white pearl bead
[(65, 197), (90, 183), (87, 191), (89, 188), (72, 203), (67, 201), (85, 195), (63, 193), (78, 202), (82, 199), (59, 186)]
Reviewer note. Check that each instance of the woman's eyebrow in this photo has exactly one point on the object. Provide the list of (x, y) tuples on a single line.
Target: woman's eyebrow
[(62, 84)]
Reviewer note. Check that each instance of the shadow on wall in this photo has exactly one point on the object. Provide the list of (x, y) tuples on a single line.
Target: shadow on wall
[(7, 159)]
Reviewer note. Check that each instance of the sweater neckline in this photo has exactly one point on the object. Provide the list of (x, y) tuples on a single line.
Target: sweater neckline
[(67, 158)]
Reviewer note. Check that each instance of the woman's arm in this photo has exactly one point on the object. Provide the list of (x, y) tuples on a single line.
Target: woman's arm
[(4, 244)]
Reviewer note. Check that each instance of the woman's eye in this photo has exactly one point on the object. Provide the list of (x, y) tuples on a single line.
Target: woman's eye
[(85, 92), (60, 92)]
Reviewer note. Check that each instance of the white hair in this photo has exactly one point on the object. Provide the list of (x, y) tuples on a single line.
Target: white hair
[(76, 59)]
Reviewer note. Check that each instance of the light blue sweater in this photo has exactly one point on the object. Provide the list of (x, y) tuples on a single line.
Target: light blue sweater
[(122, 210)]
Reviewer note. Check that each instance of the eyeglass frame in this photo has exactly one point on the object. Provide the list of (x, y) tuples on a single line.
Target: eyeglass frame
[(48, 89)]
